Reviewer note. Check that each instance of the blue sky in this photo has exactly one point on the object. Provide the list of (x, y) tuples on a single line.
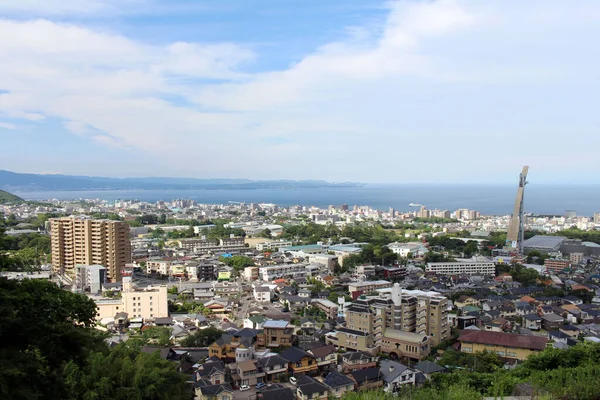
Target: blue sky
[(398, 91)]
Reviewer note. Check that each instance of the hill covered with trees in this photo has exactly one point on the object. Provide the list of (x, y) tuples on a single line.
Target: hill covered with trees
[(6, 197)]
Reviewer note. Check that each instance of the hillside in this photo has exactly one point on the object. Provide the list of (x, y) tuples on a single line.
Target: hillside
[(14, 180), (6, 197)]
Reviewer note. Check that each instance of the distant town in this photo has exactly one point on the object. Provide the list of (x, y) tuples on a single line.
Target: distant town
[(306, 302)]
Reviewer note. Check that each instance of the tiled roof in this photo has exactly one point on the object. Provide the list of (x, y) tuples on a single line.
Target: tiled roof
[(504, 339), (335, 379), (428, 367), (294, 354), (366, 374)]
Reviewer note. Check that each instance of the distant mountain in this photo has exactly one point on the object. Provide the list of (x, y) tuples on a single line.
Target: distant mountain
[(6, 197), (37, 182)]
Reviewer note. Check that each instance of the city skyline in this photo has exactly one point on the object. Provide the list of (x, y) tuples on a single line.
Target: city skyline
[(446, 91)]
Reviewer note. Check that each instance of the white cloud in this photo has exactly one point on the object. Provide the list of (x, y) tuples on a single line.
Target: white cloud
[(7, 125), (439, 78)]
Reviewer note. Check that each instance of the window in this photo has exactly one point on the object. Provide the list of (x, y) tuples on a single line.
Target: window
[(299, 364)]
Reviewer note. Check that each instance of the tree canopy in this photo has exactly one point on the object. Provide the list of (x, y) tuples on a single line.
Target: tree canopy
[(50, 350)]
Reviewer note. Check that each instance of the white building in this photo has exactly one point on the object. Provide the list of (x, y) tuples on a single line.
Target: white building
[(272, 272), (462, 267), (403, 249), (368, 286), (262, 294)]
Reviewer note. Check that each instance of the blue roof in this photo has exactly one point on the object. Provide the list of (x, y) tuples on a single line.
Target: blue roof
[(275, 324)]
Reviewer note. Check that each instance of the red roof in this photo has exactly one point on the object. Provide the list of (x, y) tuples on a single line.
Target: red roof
[(504, 339)]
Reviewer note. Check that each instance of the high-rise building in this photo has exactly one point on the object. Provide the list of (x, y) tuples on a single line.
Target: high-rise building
[(83, 241), (406, 322), (597, 218)]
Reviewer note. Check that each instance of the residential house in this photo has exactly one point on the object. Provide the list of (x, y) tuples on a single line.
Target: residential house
[(506, 345), (254, 322), (206, 391), (276, 392), (367, 379), (357, 360), (262, 294), (532, 321), (275, 367), (300, 362), (226, 288), (428, 368), (276, 333), (248, 373), (238, 346), (396, 375), (219, 308), (212, 371), (310, 389), (464, 301), (326, 356), (338, 384), (552, 321)]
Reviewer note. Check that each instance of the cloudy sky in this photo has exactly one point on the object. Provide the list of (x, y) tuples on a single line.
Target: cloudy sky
[(341, 90)]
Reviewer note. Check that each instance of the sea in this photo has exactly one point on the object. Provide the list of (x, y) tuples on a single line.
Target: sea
[(487, 199)]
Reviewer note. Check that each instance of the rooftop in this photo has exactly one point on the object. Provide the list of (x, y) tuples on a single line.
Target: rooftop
[(504, 339), (278, 324)]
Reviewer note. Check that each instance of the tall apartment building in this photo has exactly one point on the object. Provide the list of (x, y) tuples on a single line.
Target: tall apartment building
[(82, 241), (405, 322)]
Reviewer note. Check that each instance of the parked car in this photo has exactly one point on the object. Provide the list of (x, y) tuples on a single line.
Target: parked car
[(260, 385), (244, 387), (293, 380)]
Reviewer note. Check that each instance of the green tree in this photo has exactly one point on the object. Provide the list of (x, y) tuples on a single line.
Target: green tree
[(42, 327), (124, 373), (202, 338), (157, 334)]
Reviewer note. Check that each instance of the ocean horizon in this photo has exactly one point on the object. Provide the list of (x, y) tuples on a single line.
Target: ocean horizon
[(487, 199)]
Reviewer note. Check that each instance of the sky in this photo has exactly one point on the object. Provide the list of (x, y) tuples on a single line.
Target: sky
[(409, 91)]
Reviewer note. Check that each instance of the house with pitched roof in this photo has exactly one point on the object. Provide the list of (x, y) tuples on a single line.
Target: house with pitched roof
[(367, 379), (310, 389), (396, 375), (326, 356), (300, 362), (357, 360), (275, 367), (428, 368), (338, 384)]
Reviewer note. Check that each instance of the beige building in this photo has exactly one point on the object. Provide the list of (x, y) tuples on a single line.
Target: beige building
[(506, 345), (81, 241), (378, 323), (148, 303)]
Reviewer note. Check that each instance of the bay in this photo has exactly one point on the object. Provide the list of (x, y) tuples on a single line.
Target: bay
[(488, 199)]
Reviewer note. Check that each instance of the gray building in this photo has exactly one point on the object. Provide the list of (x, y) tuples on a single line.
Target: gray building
[(543, 244), (89, 278)]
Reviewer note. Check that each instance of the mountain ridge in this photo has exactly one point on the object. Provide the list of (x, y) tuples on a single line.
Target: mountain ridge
[(16, 181)]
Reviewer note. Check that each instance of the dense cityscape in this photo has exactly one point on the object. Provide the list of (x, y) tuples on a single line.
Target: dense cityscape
[(299, 200), (303, 302)]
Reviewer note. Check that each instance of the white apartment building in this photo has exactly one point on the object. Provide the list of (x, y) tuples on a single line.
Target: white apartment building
[(272, 272), (270, 245), (368, 286), (462, 267)]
